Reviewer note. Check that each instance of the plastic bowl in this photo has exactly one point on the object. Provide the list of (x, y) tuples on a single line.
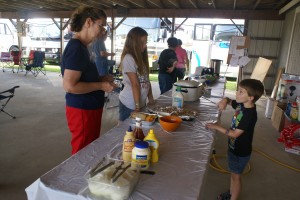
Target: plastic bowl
[(170, 123)]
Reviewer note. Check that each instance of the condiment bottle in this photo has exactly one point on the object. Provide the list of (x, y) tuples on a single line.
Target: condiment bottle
[(153, 145), (140, 155), (294, 111), (177, 99), (128, 145), (298, 103), (138, 131)]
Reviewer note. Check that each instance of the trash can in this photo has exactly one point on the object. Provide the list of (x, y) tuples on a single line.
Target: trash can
[(216, 64)]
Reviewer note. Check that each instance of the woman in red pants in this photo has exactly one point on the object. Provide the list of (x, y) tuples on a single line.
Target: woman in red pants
[(83, 86)]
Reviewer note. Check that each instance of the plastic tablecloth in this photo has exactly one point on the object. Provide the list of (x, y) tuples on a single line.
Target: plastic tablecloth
[(184, 156)]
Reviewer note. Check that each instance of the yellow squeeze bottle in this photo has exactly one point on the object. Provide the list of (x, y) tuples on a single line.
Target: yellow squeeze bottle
[(153, 144), (128, 145)]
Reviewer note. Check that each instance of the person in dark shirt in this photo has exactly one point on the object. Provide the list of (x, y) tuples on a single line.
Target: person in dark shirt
[(167, 62), (240, 133), (81, 81)]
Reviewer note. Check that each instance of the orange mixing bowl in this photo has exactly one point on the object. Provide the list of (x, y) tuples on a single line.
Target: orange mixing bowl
[(170, 123)]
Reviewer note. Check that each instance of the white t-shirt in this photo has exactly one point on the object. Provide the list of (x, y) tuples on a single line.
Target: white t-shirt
[(126, 95)]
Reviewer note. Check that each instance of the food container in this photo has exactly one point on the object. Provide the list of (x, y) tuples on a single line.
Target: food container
[(191, 90), (147, 119), (115, 182), (170, 123), (183, 113)]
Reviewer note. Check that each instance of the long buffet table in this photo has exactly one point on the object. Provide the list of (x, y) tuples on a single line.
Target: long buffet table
[(184, 156)]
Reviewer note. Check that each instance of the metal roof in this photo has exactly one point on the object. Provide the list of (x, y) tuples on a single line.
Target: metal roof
[(145, 8)]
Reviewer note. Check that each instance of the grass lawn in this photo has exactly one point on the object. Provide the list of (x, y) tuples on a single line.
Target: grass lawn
[(231, 85)]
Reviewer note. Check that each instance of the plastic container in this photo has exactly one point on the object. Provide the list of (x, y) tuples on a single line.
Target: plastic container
[(140, 155), (170, 123), (138, 131), (153, 145), (294, 111), (102, 186), (149, 119), (128, 145), (177, 99), (298, 103)]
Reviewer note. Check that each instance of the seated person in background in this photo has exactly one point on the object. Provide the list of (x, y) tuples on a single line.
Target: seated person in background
[(167, 62)]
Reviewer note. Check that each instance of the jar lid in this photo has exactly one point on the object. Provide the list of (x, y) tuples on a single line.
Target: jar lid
[(141, 144)]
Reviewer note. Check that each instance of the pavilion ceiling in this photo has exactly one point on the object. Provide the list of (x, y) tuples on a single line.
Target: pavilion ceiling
[(147, 8)]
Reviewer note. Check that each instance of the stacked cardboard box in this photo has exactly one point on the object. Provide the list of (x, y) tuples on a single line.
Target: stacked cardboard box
[(278, 117)]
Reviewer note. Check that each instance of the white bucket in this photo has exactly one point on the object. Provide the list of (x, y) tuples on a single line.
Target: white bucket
[(269, 107)]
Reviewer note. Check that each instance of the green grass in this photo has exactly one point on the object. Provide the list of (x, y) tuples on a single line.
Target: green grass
[(231, 85), (153, 77), (52, 68)]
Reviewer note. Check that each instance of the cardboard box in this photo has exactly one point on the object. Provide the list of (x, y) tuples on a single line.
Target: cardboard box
[(288, 121), (278, 117)]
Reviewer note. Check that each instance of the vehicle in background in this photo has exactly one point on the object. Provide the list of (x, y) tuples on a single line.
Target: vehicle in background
[(7, 38), (203, 41), (40, 34)]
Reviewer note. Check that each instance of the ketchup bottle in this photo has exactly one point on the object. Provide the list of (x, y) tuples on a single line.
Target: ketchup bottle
[(138, 131)]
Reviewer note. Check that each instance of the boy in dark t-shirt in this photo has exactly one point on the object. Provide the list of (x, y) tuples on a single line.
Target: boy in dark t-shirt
[(240, 133)]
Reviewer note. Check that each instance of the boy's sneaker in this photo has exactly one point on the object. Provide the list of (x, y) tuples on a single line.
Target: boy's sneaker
[(224, 196)]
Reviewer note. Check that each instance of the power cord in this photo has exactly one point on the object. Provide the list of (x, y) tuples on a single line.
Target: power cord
[(216, 166)]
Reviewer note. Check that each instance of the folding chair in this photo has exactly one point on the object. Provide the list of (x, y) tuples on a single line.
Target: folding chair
[(16, 55), (37, 64), (26, 60), (6, 60), (5, 96)]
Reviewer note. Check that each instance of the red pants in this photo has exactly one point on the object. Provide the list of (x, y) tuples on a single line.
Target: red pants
[(84, 125)]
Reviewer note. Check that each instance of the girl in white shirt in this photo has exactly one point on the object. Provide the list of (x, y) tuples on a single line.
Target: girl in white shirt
[(135, 70)]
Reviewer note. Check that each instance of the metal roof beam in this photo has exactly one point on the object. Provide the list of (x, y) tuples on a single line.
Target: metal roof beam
[(193, 3), (120, 3), (174, 3), (183, 13), (288, 6), (256, 4), (139, 3), (154, 2)]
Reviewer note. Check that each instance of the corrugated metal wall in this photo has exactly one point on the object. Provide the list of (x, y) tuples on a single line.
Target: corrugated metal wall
[(293, 64), (265, 42)]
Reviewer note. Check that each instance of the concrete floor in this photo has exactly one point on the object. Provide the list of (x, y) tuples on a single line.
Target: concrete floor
[(38, 140)]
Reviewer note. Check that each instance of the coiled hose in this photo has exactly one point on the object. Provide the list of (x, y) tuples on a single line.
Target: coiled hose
[(216, 166)]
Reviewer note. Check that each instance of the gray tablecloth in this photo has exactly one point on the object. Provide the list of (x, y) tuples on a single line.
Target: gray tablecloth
[(184, 156)]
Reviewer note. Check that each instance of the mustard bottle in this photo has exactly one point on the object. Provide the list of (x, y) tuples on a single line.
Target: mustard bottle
[(128, 145), (153, 145)]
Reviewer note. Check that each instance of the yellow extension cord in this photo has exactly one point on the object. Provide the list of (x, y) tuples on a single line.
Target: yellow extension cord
[(216, 166)]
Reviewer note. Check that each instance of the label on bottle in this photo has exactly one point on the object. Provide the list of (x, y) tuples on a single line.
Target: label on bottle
[(152, 144), (294, 113), (177, 101), (128, 145), (140, 158)]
